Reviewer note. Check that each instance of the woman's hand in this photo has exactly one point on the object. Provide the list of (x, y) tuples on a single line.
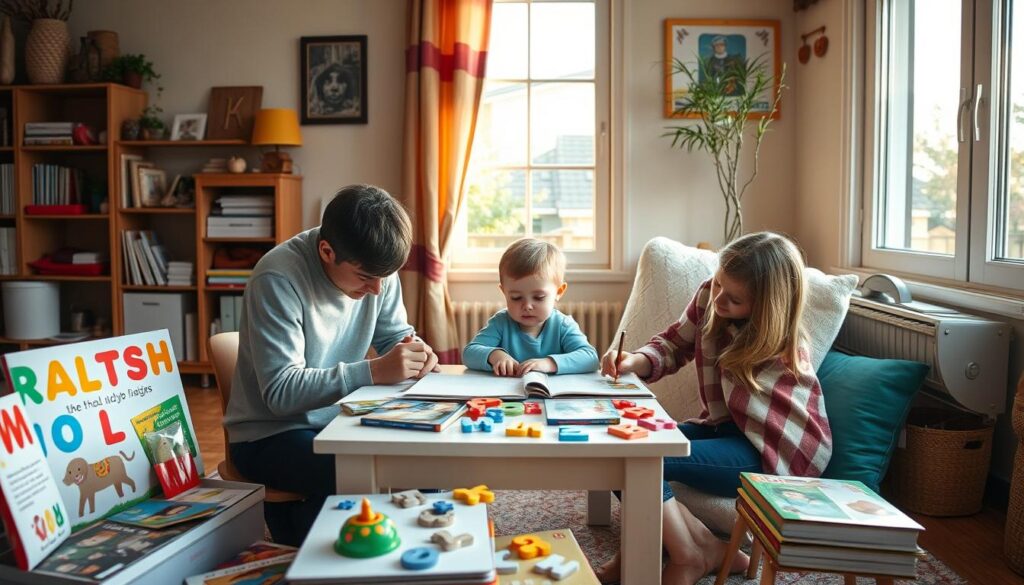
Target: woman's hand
[(503, 364), (628, 362)]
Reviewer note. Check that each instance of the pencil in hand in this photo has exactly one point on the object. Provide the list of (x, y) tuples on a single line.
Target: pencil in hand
[(618, 354)]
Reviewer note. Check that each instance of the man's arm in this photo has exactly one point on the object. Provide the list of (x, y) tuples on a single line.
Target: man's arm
[(392, 320), (277, 344)]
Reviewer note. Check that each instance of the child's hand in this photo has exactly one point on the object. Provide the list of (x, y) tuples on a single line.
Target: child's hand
[(629, 362), (405, 360), (502, 363), (546, 365)]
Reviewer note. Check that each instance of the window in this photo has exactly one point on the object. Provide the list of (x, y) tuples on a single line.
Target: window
[(540, 154), (944, 163)]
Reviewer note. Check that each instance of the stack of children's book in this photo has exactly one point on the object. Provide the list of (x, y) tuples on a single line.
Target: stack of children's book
[(828, 524)]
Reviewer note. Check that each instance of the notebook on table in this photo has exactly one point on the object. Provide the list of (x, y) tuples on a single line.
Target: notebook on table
[(473, 384)]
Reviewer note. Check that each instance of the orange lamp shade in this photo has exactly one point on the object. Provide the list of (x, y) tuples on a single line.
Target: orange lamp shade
[(276, 127)]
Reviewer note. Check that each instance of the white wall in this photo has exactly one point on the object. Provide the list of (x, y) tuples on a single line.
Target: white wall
[(198, 44)]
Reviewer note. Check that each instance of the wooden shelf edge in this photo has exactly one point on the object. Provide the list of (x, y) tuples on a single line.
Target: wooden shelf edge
[(147, 143)]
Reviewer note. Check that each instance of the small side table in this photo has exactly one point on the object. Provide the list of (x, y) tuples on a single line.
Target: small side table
[(761, 549)]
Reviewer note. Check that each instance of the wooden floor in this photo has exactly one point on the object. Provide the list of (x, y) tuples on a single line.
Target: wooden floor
[(972, 546)]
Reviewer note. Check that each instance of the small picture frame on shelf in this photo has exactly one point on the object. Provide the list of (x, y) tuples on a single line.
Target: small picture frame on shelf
[(152, 186), (189, 127)]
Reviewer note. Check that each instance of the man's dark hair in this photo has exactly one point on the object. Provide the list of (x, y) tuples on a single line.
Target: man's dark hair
[(366, 226)]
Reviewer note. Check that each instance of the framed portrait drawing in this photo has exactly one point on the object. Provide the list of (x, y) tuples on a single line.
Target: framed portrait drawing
[(334, 80), (721, 44), (189, 127), (152, 186)]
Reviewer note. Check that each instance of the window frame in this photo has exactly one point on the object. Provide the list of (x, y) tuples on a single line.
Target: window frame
[(979, 176), (605, 257)]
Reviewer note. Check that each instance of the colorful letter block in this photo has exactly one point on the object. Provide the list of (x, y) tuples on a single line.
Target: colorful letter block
[(449, 542), (503, 565), (556, 567), (521, 429), (474, 495), (408, 499), (656, 424), (531, 407), (627, 432), (496, 414), (637, 412), (513, 408), (573, 435), (529, 546), (420, 558), (433, 518), (621, 404), (484, 425), (478, 406)]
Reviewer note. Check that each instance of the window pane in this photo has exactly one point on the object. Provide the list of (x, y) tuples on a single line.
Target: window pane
[(507, 54), (496, 208), (562, 123), (563, 208), (1012, 205), (923, 78), (562, 40), (501, 125)]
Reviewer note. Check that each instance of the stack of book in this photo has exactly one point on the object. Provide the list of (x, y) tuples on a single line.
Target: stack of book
[(145, 258), (45, 133), (228, 277), (829, 525), (244, 205), (180, 273), (215, 165), (55, 184)]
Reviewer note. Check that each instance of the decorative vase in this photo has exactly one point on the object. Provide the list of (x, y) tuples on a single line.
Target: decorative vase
[(130, 129), (106, 41), (46, 50), (6, 52)]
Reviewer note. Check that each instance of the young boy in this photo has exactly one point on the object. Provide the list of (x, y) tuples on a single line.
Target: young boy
[(531, 334), (314, 305)]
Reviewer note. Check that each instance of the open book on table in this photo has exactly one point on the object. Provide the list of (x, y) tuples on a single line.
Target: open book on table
[(473, 384)]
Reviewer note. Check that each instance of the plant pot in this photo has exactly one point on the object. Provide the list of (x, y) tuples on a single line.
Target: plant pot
[(46, 50), (152, 133), (132, 79)]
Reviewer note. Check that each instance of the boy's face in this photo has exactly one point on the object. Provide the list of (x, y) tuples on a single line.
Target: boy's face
[(346, 276), (531, 299)]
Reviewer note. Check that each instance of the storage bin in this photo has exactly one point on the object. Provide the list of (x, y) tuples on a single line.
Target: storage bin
[(943, 467), (31, 309)]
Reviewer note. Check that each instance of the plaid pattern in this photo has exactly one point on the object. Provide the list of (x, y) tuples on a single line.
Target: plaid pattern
[(786, 421)]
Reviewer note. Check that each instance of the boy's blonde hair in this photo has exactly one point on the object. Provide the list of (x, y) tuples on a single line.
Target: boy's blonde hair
[(772, 268), (529, 256)]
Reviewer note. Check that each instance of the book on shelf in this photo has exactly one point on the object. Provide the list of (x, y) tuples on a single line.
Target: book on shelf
[(33, 512), (415, 414), (580, 411), (826, 554), (262, 562), (837, 510), (48, 141), (474, 384)]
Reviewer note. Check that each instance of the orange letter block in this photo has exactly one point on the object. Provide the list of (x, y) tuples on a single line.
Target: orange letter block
[(529, 546), (627, 432)]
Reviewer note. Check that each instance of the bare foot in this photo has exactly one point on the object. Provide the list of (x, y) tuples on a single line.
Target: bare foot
[(611, 570), (716, 550), (674, 574)]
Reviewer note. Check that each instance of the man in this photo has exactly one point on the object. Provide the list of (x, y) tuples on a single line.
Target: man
[(721, 64), (313, 307)]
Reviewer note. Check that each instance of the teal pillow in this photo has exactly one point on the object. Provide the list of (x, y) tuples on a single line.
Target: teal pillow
[(866, 400)]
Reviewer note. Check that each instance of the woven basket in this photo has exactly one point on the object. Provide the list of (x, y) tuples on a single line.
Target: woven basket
[(942, 470), (46, 50), (1013, 545)]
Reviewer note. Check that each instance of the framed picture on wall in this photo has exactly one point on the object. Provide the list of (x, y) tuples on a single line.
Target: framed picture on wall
[(334, 80), (720, 45)]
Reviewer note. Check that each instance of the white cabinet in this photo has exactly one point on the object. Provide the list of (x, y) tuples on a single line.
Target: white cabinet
[(153, 311)]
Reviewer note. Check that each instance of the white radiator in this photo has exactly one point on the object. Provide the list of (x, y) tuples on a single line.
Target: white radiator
[(968, 355), (598, 320)]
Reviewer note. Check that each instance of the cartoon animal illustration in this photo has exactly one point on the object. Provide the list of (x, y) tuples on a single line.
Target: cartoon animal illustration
[(93, 477)]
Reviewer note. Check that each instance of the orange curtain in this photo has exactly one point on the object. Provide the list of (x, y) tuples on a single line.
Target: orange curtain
[(445, 61)]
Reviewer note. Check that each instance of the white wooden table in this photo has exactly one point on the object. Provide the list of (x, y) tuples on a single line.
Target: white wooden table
[(369, 459)]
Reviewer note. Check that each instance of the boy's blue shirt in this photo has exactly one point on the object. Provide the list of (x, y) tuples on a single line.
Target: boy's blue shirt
[(560, 339)]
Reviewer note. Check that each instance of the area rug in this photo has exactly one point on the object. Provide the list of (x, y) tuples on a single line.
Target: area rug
[(518, 512)]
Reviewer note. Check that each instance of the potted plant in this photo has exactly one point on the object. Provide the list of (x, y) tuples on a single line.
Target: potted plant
[(46, 47), (724, 100), (151, 125), (132, 70)]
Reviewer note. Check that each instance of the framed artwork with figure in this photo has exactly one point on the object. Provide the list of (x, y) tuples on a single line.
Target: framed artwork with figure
[(334, 80), (714, 47)]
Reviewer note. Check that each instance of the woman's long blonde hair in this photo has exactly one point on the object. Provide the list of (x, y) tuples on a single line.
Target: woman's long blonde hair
[(772, 268)]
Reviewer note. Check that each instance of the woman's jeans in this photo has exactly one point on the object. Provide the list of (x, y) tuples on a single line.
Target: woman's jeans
[(717, 456)]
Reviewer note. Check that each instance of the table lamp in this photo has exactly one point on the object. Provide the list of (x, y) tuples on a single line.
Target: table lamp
[(276, 127)]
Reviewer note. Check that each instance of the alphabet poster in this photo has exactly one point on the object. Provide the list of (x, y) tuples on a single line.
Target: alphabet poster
[(31, 506), (91, 404)]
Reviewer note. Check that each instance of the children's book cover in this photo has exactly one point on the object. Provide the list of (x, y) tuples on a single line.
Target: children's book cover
[(221, 497), (837, 501), (103, 550), (163, 513), (82, 399), (580, 411), (266, 570), (33, 513), (415, 414), (359, 407)]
